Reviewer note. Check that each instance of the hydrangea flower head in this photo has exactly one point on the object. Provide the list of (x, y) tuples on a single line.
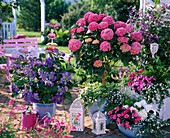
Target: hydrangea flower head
[(74, 45), (107, 34)]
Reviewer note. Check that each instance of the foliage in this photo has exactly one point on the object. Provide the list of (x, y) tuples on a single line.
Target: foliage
[(95, 92), (55, 9), (31, 76), (119, 9), (152, 127), (29, 15), (62, 37), (98, 47), (11, 127), (155, 93), (154, 28), (75, 12), (117, 97)]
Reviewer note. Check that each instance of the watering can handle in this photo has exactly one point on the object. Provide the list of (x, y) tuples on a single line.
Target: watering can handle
[(47, 115)]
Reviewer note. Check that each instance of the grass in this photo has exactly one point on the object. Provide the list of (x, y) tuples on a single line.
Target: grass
[(28, 33)]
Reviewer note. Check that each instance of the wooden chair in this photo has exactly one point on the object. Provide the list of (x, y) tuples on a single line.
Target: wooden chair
[(15, 43)]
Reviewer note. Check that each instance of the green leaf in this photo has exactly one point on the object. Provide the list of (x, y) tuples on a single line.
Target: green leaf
[(157, 2)]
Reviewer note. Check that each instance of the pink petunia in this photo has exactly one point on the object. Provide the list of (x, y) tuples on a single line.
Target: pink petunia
[(93, 18), (82, 22), (105, 46), (129, 83), (135, 114), (103, 25), (140, 71), (137, 36), (97, 63), (93, 26), (118, 120), (126, 116), (119, 115), (114, 116), (86, 16), (107, 34), (121, 31), (108, 19), (74, 45), (125, 47), (119, 24), (123, 39), (135, 48)]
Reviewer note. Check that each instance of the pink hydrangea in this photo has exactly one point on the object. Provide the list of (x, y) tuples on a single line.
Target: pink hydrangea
[(97, 63), (79, 30), (101, 16), (105, 46), (82, 22), (122, 39), (119, 24), (103, 25), (93, 18), (137, 36), (128, 28), (73, 30), (121, 31), (74, 45), (86, 16), (125, 47), (135, 49), (93, 26), (107, 34), (108, 19)]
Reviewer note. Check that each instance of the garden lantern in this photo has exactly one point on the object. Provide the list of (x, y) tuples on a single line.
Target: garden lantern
[(99, 123), (154, 48), (75, 108)]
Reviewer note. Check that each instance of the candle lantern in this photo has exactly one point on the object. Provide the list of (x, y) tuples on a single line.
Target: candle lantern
[(75, 108), (99, 123), (154, 48)]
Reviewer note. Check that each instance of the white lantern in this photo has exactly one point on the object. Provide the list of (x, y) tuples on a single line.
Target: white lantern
[(99, 123), (154, 48), (75, 108)]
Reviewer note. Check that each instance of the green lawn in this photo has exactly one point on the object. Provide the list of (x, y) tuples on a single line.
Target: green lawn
[(28, 33)]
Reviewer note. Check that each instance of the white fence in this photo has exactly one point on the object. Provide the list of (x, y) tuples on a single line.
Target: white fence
[(7, 30)]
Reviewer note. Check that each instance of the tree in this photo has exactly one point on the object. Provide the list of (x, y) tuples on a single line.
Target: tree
[(30, 15), (55, 9)]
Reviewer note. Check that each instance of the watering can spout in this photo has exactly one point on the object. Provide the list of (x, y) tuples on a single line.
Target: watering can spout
[(47, 115)]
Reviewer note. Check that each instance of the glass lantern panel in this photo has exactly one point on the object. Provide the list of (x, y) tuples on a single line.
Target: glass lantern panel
[(94, 126), (101, 126)]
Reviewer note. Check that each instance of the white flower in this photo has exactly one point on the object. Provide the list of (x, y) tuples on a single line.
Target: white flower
[(143, 114), (133, 108), (148, 107), (138, 104), (143, 102), (126, 106)]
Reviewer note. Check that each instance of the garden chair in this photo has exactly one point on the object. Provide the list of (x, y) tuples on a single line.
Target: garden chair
[(14, 43)]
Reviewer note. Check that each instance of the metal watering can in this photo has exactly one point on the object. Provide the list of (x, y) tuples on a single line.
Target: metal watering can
[(29, 119)]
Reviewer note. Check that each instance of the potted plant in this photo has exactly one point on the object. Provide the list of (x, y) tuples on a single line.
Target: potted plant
[(131, 120), (98, 43), (43, 81), (148, 88)]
